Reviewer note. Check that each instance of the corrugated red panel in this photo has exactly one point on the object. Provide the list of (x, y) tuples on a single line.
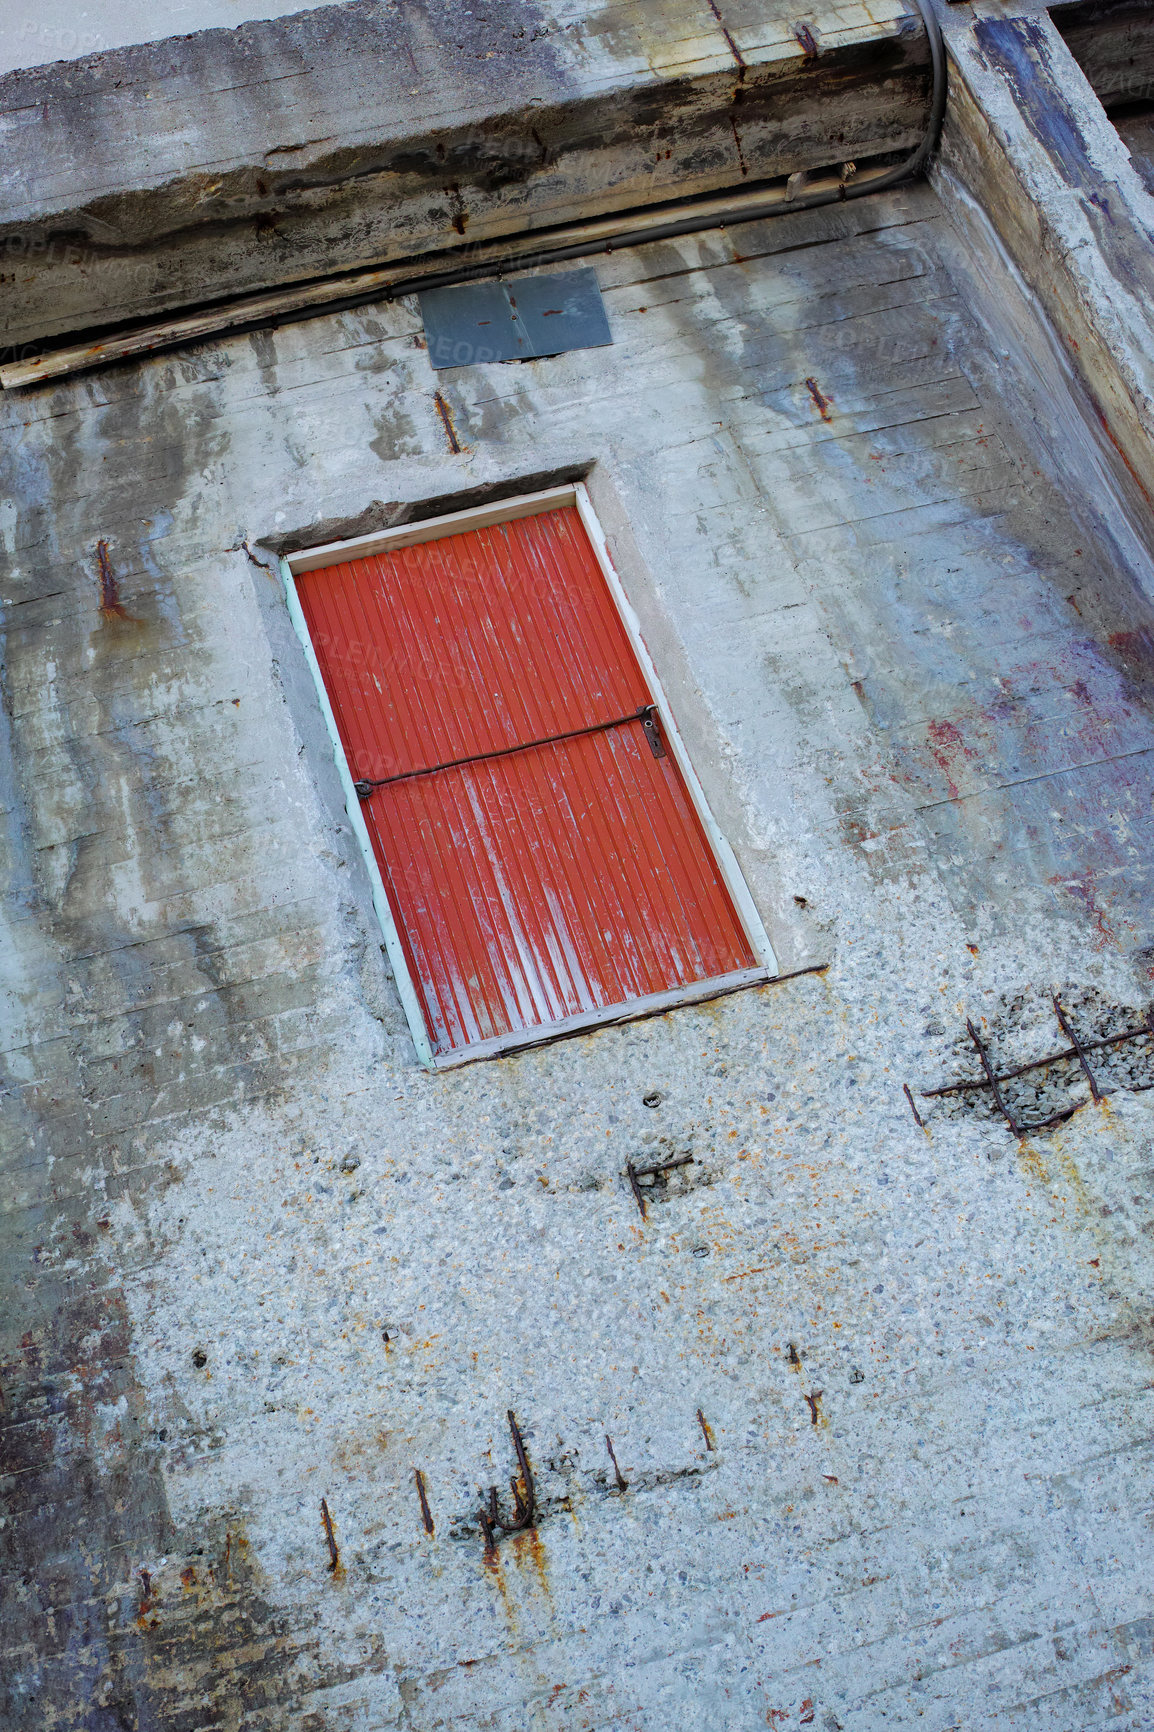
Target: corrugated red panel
[(557, 879), (469, 644)]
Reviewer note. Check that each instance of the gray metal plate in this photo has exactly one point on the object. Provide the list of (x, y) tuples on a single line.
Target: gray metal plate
[(518, 320)]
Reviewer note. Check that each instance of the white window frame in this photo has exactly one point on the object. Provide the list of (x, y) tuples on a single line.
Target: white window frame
[(480, 517)]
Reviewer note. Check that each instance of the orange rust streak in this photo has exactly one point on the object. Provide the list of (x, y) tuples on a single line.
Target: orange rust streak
[(493, 1566), (527, 1547), (111, 605)]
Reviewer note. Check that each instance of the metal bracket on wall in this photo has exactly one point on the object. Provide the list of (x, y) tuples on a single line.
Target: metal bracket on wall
[(521, 319)]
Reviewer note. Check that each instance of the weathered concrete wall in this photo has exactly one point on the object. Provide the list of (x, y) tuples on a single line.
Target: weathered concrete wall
[(880, 1396), (179, 172)]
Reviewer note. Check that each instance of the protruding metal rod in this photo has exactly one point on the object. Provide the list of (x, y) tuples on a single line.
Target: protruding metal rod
[(993, 1081), (487, 1530), (426, 1513), (1079, 1049), (635, 1173), (664, 1166), (523, 1491), (530, 1504), (334, 1554), (918, 1120), (1068, 1031), (960, 1088)]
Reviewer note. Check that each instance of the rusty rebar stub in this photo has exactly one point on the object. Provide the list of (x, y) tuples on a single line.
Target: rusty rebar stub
[(524, 1501)]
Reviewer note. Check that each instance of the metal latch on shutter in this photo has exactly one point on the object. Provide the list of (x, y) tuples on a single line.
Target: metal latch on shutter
[(646, 715), (652, 734)]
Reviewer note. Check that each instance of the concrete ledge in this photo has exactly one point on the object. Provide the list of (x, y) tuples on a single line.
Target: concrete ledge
[(153, 178)]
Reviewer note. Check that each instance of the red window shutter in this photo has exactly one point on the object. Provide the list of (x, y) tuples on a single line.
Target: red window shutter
[(545, 878)]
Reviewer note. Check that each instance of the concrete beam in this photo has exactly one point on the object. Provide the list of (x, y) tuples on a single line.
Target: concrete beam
[(1027, 140), (230, 161)]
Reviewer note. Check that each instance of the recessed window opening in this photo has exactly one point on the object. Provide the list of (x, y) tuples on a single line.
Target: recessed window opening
[(542, 856)]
